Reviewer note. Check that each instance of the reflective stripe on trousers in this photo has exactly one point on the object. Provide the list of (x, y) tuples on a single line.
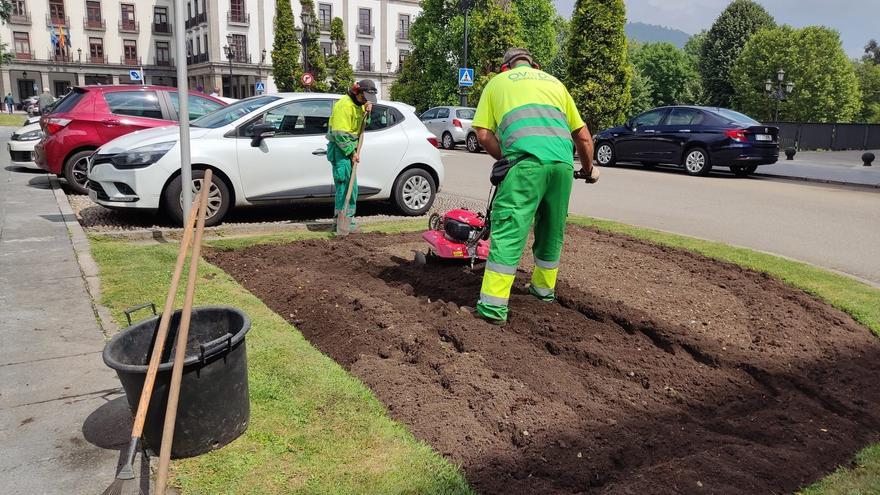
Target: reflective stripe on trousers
[(497, 282), (544, 278)]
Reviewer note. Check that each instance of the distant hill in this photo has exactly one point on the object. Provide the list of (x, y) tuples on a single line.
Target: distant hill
[(650, 33)]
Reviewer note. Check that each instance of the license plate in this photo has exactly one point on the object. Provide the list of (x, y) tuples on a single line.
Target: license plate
[(763, 137)]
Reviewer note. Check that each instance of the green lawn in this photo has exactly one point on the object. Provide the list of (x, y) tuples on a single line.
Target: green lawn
[(14, 120), (316, 429)]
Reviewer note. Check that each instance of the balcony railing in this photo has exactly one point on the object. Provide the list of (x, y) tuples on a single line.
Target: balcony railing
[(241, 58), (163, 28), (197, 59), (25, 55), (368, 31), (130, 60), (403, 35), (324, 25), (23, 18), (365, 66), (98, 59), (63, 58), (241, 18), (129, 26), (52, 21), (167, 62), (95, 24), (197, 20)]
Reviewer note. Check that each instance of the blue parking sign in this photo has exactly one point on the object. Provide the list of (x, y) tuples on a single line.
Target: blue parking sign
[(260, 87), (465, 77)]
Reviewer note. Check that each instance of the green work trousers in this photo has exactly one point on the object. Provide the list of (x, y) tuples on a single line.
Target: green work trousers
[(531, 192), (341, 166)]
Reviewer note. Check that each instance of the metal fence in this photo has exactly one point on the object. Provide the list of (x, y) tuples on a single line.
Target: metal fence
[(805, 136)]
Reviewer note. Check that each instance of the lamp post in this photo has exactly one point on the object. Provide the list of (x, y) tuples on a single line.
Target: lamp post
[(262, 61), (465, 6), (307, 23), (780, 92), (230, 54)]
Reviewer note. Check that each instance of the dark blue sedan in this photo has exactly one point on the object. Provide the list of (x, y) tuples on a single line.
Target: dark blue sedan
[(697, 138)]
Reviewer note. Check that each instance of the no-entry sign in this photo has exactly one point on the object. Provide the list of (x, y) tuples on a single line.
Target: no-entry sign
[(307, 79)]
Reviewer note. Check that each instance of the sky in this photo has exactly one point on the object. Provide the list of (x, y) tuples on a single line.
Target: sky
[(855, 20)]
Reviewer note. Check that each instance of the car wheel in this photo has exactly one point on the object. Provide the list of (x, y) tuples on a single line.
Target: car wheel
[(76, 171), (447, 142), (696, 162), (744, 171), (218, 198), (472, 143), (414, 191), (605, 155)]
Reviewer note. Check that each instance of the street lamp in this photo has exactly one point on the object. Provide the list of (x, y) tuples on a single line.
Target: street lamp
[(230, 54), (780, 92), (262, 61), (308, 23), (465, 6)]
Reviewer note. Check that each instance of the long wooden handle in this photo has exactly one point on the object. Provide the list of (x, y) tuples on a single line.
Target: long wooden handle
[(342, 217), (182, 335), (164, 321)]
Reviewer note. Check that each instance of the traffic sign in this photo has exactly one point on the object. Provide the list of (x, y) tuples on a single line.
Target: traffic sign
[(465, 77), (260, 87), (307, 79), (135, 75)]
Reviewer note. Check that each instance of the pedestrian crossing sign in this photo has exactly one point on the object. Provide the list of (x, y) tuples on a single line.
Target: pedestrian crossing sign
[(465, 77)]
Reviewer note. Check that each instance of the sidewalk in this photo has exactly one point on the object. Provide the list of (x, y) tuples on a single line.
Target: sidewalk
[(63, 417), (836, 167)]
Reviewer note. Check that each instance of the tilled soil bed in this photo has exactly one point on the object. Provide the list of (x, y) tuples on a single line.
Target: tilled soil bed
[(657, 371)]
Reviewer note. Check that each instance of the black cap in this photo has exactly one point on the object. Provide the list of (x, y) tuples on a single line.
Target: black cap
[(514, 54), (368, 89)]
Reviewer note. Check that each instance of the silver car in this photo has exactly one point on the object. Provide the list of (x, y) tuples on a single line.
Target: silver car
[(451, 125)]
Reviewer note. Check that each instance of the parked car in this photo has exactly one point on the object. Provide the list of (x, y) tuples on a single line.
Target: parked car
[(21, 144), (90, 116), (265, 150), (697, 138), (451, 125)]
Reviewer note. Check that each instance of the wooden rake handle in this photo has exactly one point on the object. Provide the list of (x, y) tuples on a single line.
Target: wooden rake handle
[(182, 336)]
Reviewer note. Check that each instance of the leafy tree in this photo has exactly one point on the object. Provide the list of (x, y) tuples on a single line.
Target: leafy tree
[(670, 72), (339, 63), (5, 11), (538, 28), (496, 28), (694, 50), (872, 52), (724, 41), (826, 88), (314, 54), (868, 74), (599, 74), (285, 48), (558, 65), (642, 93)]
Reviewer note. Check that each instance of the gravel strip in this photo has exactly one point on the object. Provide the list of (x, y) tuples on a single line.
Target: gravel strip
[(96, 219)]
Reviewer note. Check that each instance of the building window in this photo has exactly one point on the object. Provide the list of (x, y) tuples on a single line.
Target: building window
[(236, 11), (56, 11), (365, 62), (19, 8), (365, 25), (403, 27), (198, 45), (205, 43), (130, 52), (401, 59), (22, 43), (325, 16), (160, 20), (239, 47), (326, 48), (189, 10), (163, 53), (128, 16), (96, 50)]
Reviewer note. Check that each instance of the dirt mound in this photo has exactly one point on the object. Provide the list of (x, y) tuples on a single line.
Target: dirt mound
[(658, 371)]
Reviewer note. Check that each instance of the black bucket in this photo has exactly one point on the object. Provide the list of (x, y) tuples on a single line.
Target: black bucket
[(214, 407)]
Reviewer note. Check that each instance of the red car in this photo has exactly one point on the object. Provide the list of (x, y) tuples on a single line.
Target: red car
[(90, 116)]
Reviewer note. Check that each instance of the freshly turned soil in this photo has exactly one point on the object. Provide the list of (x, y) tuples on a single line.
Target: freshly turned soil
[(657, 371)]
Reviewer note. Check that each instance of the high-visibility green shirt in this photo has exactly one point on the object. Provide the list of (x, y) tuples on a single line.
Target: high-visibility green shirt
[(345, 124), (530, 112)]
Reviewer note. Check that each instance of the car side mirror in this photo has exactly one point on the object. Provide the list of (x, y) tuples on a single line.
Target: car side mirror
[(261, 131), (630, 124)]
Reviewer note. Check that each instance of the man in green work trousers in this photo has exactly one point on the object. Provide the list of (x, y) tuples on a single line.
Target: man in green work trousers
[(528, 117), (343, 133)]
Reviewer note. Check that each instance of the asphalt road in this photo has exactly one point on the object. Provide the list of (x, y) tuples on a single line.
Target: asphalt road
[(834, 227)]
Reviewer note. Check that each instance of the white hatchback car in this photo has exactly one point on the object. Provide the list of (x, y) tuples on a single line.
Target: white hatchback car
[(284, 162), (22, 142)]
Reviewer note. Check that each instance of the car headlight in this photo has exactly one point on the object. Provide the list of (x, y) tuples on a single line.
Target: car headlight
[(31, 136), (143, 156)]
